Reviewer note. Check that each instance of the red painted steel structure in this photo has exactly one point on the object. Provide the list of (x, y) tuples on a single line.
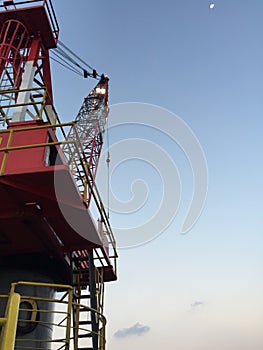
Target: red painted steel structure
[(32, 208), (14, 51), (27, 188), (47, 233), (32, 28)]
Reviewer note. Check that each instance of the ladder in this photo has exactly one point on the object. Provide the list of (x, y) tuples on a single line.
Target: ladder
[(88, 290), (7, 96)]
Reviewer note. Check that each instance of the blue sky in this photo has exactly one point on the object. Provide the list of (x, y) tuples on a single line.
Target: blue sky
[(201, 290)]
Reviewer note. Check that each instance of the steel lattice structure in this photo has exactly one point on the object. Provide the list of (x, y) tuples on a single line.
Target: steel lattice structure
[(86, 137)]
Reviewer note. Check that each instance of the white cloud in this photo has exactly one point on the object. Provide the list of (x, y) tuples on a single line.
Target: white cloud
[(197, 304), (136, 330)]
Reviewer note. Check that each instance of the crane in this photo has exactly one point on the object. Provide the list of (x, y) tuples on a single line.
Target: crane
[(54, 257)]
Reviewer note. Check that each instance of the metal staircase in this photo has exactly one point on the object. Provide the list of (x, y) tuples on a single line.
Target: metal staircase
[(88, 291)]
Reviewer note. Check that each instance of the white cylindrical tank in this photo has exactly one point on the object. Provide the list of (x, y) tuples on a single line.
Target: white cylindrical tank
[(37, 316)]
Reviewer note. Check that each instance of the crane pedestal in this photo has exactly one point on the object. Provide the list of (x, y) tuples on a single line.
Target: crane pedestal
[(33, 325)]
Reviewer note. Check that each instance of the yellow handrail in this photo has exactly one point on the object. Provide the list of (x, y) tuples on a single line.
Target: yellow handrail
[(63, 317), (9, 322)]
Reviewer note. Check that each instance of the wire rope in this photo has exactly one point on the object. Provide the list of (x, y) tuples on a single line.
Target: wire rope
[(64, 63), (73, 62), (108, 169)]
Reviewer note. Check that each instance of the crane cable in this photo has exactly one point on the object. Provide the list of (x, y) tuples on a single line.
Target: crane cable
[(73, 54), (108, 170), (68, 59), (64, 63)]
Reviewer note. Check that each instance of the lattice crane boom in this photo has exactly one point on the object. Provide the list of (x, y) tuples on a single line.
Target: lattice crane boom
[(86, 137)]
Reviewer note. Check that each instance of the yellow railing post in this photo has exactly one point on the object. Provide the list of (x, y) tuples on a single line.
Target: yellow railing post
[(9, 323), (11, 132), (69, 311)]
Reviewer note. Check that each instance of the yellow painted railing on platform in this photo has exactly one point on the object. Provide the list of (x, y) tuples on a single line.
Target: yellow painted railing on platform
[(65, 323)]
